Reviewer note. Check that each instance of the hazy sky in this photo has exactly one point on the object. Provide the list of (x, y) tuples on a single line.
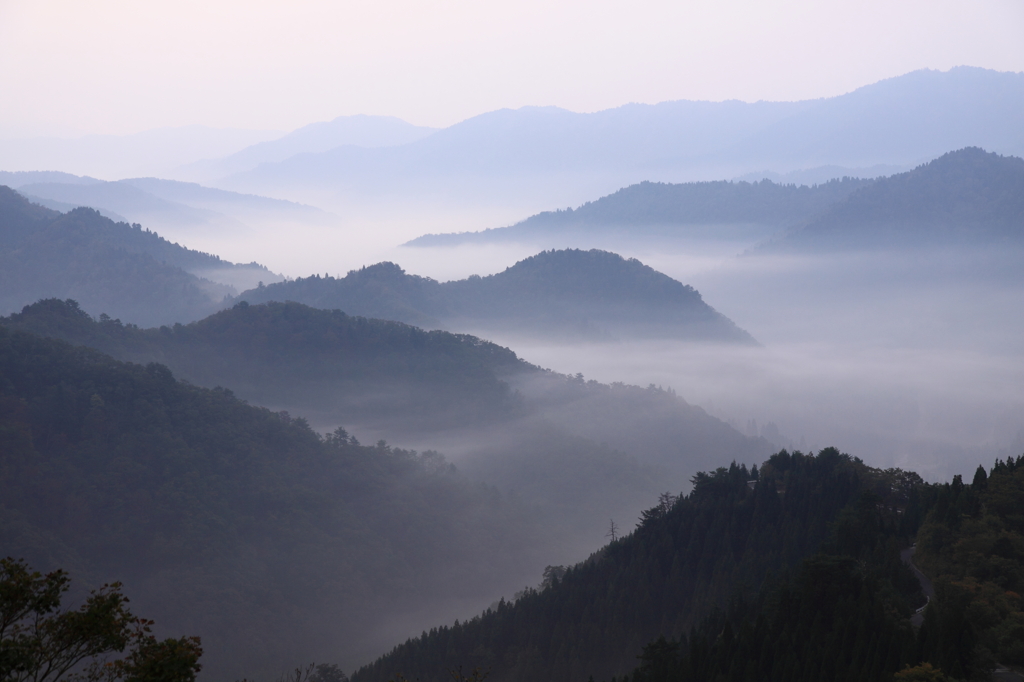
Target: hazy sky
[(121, 66)]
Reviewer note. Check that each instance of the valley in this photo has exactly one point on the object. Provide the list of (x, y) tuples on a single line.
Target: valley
[(425, 426)]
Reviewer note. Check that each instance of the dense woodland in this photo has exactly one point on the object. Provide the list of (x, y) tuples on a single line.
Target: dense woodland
[(788, 572), (570, 294), (972, 545), (843, 615), (689, 557)]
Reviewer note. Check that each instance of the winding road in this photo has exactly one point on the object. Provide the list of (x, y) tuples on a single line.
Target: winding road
[(907, 556), (1001, 673)]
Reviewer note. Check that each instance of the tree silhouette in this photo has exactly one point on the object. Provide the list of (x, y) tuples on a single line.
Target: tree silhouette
[(613, 530)]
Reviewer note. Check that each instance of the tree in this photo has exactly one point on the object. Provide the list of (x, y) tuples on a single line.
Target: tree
[(40, 642), (552, 575), (613, 531)]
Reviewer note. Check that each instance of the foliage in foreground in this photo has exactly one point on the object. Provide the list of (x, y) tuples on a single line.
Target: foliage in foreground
[(41, 642)]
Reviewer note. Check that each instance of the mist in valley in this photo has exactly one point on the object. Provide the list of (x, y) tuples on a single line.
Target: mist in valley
[(317, 360)]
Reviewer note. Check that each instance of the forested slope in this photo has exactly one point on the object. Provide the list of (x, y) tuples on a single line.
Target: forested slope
[(688, 558), (581, 450), (117, 268), (843, 615), (790, 572), (972, 545), (966, 198), (235, 523), (324, 364), (335, 368), (555, 294)]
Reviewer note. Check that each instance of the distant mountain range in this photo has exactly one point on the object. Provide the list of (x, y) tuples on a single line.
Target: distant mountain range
[(569, 294), (538, 154), (966, 198), (356, 131), (120, 269)]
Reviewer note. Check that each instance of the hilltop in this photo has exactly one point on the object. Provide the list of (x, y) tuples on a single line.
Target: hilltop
[(319, 363), (568, 294)]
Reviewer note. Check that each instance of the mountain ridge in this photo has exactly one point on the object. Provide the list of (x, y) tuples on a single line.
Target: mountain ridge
[(123, 269), (920, 115), (570, 292), (968, 197), (664, 209)]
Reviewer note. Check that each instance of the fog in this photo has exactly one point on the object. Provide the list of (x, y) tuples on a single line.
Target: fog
[(910, 361), (908, 357), (916, 364)]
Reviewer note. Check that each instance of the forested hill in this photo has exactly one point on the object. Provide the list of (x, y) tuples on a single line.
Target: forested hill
[(689, 557), (844, 615), (964, 198), (235, 523), (569, 293), (972, 545), (578, 450), (672, 209), (321, 363), (121, 269)]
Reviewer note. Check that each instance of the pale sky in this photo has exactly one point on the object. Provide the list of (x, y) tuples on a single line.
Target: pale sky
[(122, 66)]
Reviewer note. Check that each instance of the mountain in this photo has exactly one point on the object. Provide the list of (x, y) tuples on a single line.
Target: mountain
[(241, 525), (358, 131), (739, 533), (186, 209), (652, 211), (539, 155), (120, 269), (117, 198), (578, 450), (966, 198), (323, 364), (570, 294)]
